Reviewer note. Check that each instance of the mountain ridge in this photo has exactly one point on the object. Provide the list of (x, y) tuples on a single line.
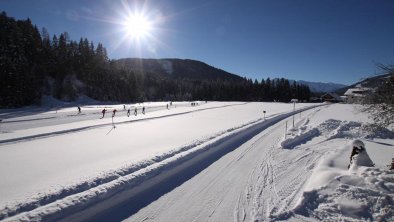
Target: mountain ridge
[(194, 69), (176, 68), (322, 86)]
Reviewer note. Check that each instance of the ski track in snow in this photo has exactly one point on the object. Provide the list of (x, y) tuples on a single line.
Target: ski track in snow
[(264, 190), (119, 186)]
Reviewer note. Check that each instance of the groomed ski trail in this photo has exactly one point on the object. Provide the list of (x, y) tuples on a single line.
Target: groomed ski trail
[(254, 182)]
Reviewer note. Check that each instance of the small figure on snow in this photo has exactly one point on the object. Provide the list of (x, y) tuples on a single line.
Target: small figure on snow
[(79, 109), (128, 112), (359, 155), (113, 113), (391, 167), (103, 112), (135, 111), (124, 107), (167, 105), (143, 110)]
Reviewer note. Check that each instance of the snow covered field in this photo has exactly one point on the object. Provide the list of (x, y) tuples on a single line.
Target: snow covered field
[(215, 161)]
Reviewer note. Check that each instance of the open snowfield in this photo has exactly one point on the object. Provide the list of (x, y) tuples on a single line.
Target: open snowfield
[(218, 161)]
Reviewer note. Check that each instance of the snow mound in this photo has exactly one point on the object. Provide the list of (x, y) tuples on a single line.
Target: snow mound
[(365, 195), (361, 158), (354, 130), (334, 193), (299, 134), (300, 138), (334, 129)]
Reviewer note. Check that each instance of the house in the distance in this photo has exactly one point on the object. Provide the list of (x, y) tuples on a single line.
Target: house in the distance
[(355, 95), (331, 97)]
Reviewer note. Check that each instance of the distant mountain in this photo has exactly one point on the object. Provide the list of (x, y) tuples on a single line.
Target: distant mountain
[(176, 68), (192, 69), (320, 86), (370, 82)]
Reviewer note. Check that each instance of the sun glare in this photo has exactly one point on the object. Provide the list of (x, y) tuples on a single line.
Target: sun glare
[(137, 26)]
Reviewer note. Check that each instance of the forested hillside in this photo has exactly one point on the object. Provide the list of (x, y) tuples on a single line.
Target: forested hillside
[(33, 64), (177, 68)]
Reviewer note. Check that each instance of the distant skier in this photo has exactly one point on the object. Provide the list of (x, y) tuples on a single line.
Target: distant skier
[(113, 115), (128, 112), (135, 111), (103, 112), (167, 106), (143, 110), (79, 109), (124, 107)]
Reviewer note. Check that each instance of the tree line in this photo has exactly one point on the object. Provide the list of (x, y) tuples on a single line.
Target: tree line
[(33, 64)]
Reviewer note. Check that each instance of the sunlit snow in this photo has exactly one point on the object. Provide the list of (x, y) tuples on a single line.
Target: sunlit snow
[(217, 161)]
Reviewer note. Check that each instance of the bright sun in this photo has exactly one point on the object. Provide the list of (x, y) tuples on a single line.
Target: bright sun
[(138, 26)]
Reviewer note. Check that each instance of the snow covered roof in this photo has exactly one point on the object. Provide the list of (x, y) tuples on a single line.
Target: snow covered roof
[(356, 91)]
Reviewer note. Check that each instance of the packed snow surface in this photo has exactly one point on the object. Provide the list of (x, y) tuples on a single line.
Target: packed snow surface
[(212, 161)]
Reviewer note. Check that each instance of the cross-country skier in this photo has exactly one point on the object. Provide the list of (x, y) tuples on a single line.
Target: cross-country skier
[(128, 112), (103, 112), (143, 110), (113, 113), (135, 111), (79, 109)]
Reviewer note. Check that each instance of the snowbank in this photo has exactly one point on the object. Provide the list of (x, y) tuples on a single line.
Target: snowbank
[(335, 193), (333, 129)]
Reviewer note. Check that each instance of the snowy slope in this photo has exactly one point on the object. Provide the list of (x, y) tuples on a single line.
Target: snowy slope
[(216, 161)]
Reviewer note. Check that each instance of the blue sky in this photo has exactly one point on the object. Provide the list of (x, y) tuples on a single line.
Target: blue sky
[(315, 40)]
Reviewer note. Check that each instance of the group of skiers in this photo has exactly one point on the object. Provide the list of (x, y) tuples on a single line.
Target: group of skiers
[(128, 111)]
